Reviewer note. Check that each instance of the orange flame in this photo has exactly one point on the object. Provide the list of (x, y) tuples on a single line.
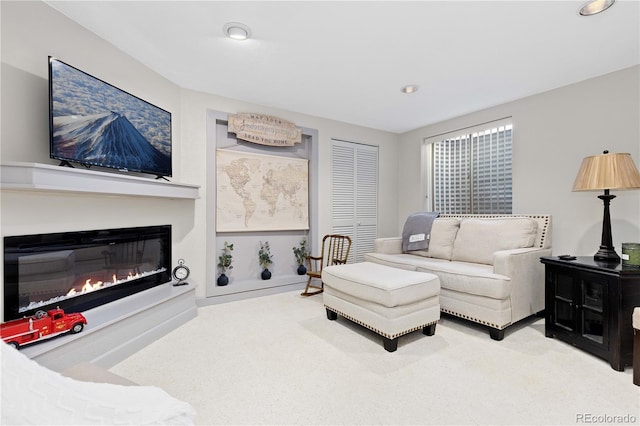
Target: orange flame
[(88, 286)]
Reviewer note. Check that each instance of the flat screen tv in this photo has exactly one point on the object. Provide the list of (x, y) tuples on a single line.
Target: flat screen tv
[(94, 123)]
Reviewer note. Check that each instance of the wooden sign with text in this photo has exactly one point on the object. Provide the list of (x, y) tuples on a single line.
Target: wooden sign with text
[(264, 129)]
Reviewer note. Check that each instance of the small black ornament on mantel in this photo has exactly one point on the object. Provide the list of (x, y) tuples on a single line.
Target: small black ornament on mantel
[(180, 273)]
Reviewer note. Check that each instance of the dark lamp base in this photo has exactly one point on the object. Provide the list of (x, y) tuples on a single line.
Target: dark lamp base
[(607, 254)]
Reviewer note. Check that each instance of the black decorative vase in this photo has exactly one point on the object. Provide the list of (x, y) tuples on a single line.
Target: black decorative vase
[(302, 270), (223, 280), (266, 274)]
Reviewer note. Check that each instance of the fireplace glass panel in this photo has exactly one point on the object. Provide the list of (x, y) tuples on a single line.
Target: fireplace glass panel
[(80, 270)]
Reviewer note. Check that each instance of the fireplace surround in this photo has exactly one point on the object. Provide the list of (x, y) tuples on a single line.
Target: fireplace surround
[(77, 271)]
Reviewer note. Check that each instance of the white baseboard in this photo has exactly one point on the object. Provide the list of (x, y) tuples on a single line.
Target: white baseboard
[(250, 293)]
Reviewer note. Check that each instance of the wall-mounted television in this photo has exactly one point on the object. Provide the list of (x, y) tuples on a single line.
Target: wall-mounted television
[(94, 123)]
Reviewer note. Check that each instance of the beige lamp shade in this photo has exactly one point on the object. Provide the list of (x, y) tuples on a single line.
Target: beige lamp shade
[(607, 171)]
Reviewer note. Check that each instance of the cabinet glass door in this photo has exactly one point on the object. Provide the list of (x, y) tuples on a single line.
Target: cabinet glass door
[(563, 302), (592, 318)]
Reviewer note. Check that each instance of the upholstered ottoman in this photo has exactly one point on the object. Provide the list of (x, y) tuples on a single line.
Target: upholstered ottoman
[(636, 346), (390, 301)]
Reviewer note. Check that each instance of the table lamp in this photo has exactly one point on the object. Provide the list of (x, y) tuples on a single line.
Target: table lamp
[(605, 172)]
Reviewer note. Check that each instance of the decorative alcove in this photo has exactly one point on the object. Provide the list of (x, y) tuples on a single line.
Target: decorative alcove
[(245, 278)]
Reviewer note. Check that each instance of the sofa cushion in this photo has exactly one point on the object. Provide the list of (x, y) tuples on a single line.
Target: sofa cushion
[(401, 261), (478, 239), (472, 278), (469, 278), (443, 234)]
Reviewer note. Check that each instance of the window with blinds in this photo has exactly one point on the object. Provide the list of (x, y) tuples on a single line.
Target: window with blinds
[(471, 171)]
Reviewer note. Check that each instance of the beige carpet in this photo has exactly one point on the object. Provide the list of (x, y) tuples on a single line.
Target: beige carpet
[(278, 360)]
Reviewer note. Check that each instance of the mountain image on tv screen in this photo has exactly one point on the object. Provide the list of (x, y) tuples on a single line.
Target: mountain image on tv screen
[(95, 123)]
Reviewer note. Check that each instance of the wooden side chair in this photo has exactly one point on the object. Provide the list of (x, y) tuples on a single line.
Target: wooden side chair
[(335, 251)]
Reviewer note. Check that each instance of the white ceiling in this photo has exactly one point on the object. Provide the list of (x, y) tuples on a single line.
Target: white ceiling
[(348, 60)]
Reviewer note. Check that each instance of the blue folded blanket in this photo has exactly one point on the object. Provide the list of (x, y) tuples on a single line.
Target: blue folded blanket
[(417, 231)]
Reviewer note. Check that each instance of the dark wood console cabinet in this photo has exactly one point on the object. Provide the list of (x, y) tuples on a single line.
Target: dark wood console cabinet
[(589, 305)]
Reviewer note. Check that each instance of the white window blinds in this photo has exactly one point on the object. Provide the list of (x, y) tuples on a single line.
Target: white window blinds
[(472, 168)]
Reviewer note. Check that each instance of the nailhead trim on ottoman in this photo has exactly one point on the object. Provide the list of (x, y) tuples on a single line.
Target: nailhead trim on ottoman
[(382, 333)]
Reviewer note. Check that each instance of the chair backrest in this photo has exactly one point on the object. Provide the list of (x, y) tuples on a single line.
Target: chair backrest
[(335, 249)]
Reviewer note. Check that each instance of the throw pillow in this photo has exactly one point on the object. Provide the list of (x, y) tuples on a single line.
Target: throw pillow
[(478, 239), (443, 234)]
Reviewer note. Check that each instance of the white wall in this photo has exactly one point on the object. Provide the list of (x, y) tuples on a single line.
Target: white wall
[(30, 32), (553, 132)]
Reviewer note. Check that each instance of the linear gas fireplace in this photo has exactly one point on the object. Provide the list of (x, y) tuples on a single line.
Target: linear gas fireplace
[(81, 270)]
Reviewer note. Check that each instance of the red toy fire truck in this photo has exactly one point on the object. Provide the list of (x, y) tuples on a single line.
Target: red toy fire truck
[(42, 325)]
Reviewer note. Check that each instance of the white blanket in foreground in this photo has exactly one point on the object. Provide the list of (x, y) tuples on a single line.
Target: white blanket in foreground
[(33, 394)]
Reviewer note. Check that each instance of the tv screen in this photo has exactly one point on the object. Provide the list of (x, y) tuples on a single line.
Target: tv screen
[(94, 123)]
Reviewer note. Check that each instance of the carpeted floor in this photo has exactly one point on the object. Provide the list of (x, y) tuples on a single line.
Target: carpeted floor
[(278, 360)]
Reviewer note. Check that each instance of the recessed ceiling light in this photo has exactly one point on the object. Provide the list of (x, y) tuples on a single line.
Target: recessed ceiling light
[(410, 88), (236, 31), (595, 6)]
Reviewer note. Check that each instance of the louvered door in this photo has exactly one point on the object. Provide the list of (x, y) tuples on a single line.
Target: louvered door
[(354, 178)]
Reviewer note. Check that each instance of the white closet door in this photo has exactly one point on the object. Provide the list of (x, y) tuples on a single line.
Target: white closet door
[(354, 178)]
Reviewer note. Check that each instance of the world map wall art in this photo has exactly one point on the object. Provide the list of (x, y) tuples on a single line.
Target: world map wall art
[(257, 192)]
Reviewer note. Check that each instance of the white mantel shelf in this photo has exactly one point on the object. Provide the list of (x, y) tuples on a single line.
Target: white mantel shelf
[(45, 177)]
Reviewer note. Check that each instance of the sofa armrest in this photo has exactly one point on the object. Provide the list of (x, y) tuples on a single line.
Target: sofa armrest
[(391, 245), (526, 272), (505, 262)]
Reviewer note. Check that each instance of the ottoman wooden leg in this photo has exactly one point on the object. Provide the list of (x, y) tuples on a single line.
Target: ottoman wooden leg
[(429, 330), (390, 345), (331, 315), (496, 334)]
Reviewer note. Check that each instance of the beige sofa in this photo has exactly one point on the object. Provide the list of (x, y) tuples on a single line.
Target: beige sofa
[(488, 265)]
